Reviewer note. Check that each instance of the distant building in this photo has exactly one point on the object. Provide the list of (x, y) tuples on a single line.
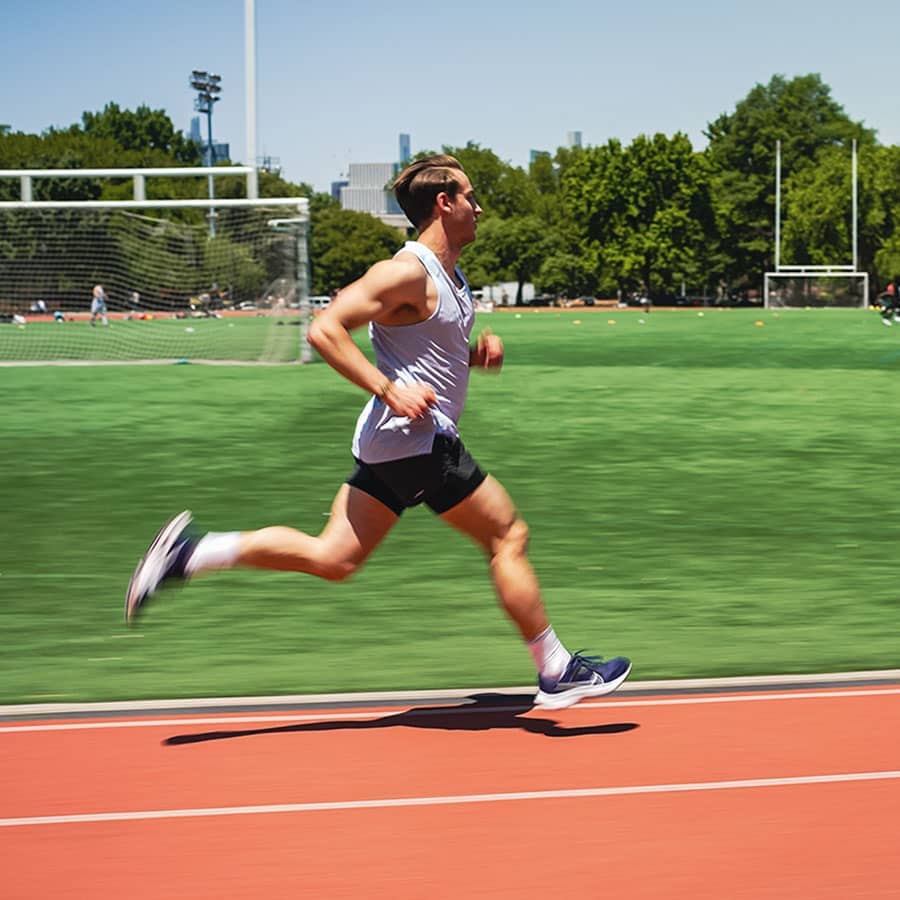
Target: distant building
[(221, 151), (270, 164), (336, 189), (504, 293), (574, 138), (537, 154), (367, 190)]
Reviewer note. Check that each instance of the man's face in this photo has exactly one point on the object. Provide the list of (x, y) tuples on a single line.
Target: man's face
[(465, 210)]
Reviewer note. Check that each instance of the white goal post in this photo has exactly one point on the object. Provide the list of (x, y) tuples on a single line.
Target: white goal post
[(820, 287), (817, 286), (199, 280)]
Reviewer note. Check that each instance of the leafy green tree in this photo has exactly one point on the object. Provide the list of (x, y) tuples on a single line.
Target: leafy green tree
[(511, 249), (56, 150), (567, 274), (887, 260), (643, 211), (501, 188), (817, 224), (801, 113), (881, 228), (545, 196), (142, 130), (343, 244), (98, 148)]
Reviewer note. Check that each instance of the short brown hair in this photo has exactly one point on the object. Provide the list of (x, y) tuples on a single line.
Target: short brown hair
[(417, 186)]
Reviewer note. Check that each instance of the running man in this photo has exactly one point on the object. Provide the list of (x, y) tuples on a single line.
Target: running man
[(98, 305), (419, 312)]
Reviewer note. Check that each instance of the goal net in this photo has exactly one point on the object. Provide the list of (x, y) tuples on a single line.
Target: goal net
[(816, 290), (199, 281)]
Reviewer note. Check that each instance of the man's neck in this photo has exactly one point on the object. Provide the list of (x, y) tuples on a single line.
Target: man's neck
[(435, 239)]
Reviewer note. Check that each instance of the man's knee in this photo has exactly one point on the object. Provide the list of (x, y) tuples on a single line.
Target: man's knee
[(338, 569), (514, 541)]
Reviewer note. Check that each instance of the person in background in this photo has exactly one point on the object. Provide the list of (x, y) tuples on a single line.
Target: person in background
[(98, 305)]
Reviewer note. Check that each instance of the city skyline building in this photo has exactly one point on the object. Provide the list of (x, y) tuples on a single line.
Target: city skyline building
[(367, 185), (221, 149), (336, 188), (367, 190)]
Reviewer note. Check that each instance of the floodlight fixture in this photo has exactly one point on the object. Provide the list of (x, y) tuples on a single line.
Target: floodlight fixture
[(208, 86)]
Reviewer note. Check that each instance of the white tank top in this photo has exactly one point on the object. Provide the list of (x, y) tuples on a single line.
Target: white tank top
[(434, 352)]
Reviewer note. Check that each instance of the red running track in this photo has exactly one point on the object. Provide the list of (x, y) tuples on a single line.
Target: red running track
[(790, 794)]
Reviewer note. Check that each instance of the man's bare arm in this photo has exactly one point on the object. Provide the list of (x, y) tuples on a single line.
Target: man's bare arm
[(383, 292)]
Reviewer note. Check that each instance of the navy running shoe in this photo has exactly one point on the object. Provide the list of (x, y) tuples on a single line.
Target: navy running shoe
[(164, 561), (585, 676)]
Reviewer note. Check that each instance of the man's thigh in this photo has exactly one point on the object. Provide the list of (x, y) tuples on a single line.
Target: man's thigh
[(357, 524), (485, 515)]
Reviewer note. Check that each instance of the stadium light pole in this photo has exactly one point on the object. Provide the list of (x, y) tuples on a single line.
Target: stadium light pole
[(250, 100), (208, 88)]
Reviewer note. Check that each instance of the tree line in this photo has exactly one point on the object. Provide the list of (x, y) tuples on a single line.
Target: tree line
[(651, 216)]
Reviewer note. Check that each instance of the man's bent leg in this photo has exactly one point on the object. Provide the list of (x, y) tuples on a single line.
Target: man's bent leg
[(356, 526), (489, 517)]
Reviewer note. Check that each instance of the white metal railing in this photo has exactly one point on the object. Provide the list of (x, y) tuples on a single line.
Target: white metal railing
[(27, 176), (301, 204)]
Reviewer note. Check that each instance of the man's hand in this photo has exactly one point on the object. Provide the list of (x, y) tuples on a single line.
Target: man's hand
[(410, 400), (488, 352)]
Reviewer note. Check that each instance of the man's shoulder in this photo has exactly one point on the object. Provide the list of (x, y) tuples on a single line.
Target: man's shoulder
[(398, 271)]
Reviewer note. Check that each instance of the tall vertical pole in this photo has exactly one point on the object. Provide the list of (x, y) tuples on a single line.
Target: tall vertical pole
[(854, 175), (210, 161), (250, 99), (777, 205), (306, 354)]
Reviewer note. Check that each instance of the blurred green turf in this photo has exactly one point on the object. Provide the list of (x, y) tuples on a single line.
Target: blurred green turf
[(706, 495), (248, 338)]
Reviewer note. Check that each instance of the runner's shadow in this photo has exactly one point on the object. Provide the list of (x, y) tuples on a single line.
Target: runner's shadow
[(481, 712)]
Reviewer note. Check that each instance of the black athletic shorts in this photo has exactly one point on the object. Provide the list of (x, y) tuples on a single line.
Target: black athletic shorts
[(439, 479)]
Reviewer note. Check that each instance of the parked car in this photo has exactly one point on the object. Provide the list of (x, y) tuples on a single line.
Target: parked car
[(317, 301), (541, 300)]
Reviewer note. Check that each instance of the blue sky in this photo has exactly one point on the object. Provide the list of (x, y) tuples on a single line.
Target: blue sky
[(337, 82)]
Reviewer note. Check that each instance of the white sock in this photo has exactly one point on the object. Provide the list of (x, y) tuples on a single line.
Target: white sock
[(550, 656), (215, 550)]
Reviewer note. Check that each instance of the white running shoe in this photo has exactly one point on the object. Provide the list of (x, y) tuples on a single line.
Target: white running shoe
[(164, 560), (585, 676)]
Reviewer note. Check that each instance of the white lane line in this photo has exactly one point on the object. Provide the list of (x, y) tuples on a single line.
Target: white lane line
[(461, 709), (391, 802)]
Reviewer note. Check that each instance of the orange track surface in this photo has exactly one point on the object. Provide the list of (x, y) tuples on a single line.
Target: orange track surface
[(805, 840)]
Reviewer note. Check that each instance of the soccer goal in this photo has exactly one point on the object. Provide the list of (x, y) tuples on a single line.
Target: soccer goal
[(175, 288), (816, 287)]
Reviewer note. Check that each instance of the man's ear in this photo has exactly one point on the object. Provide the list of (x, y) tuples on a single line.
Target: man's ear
[(443, 202)]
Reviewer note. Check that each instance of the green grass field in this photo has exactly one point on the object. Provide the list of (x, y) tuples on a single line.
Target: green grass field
[(247, 338), (706, 495)]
